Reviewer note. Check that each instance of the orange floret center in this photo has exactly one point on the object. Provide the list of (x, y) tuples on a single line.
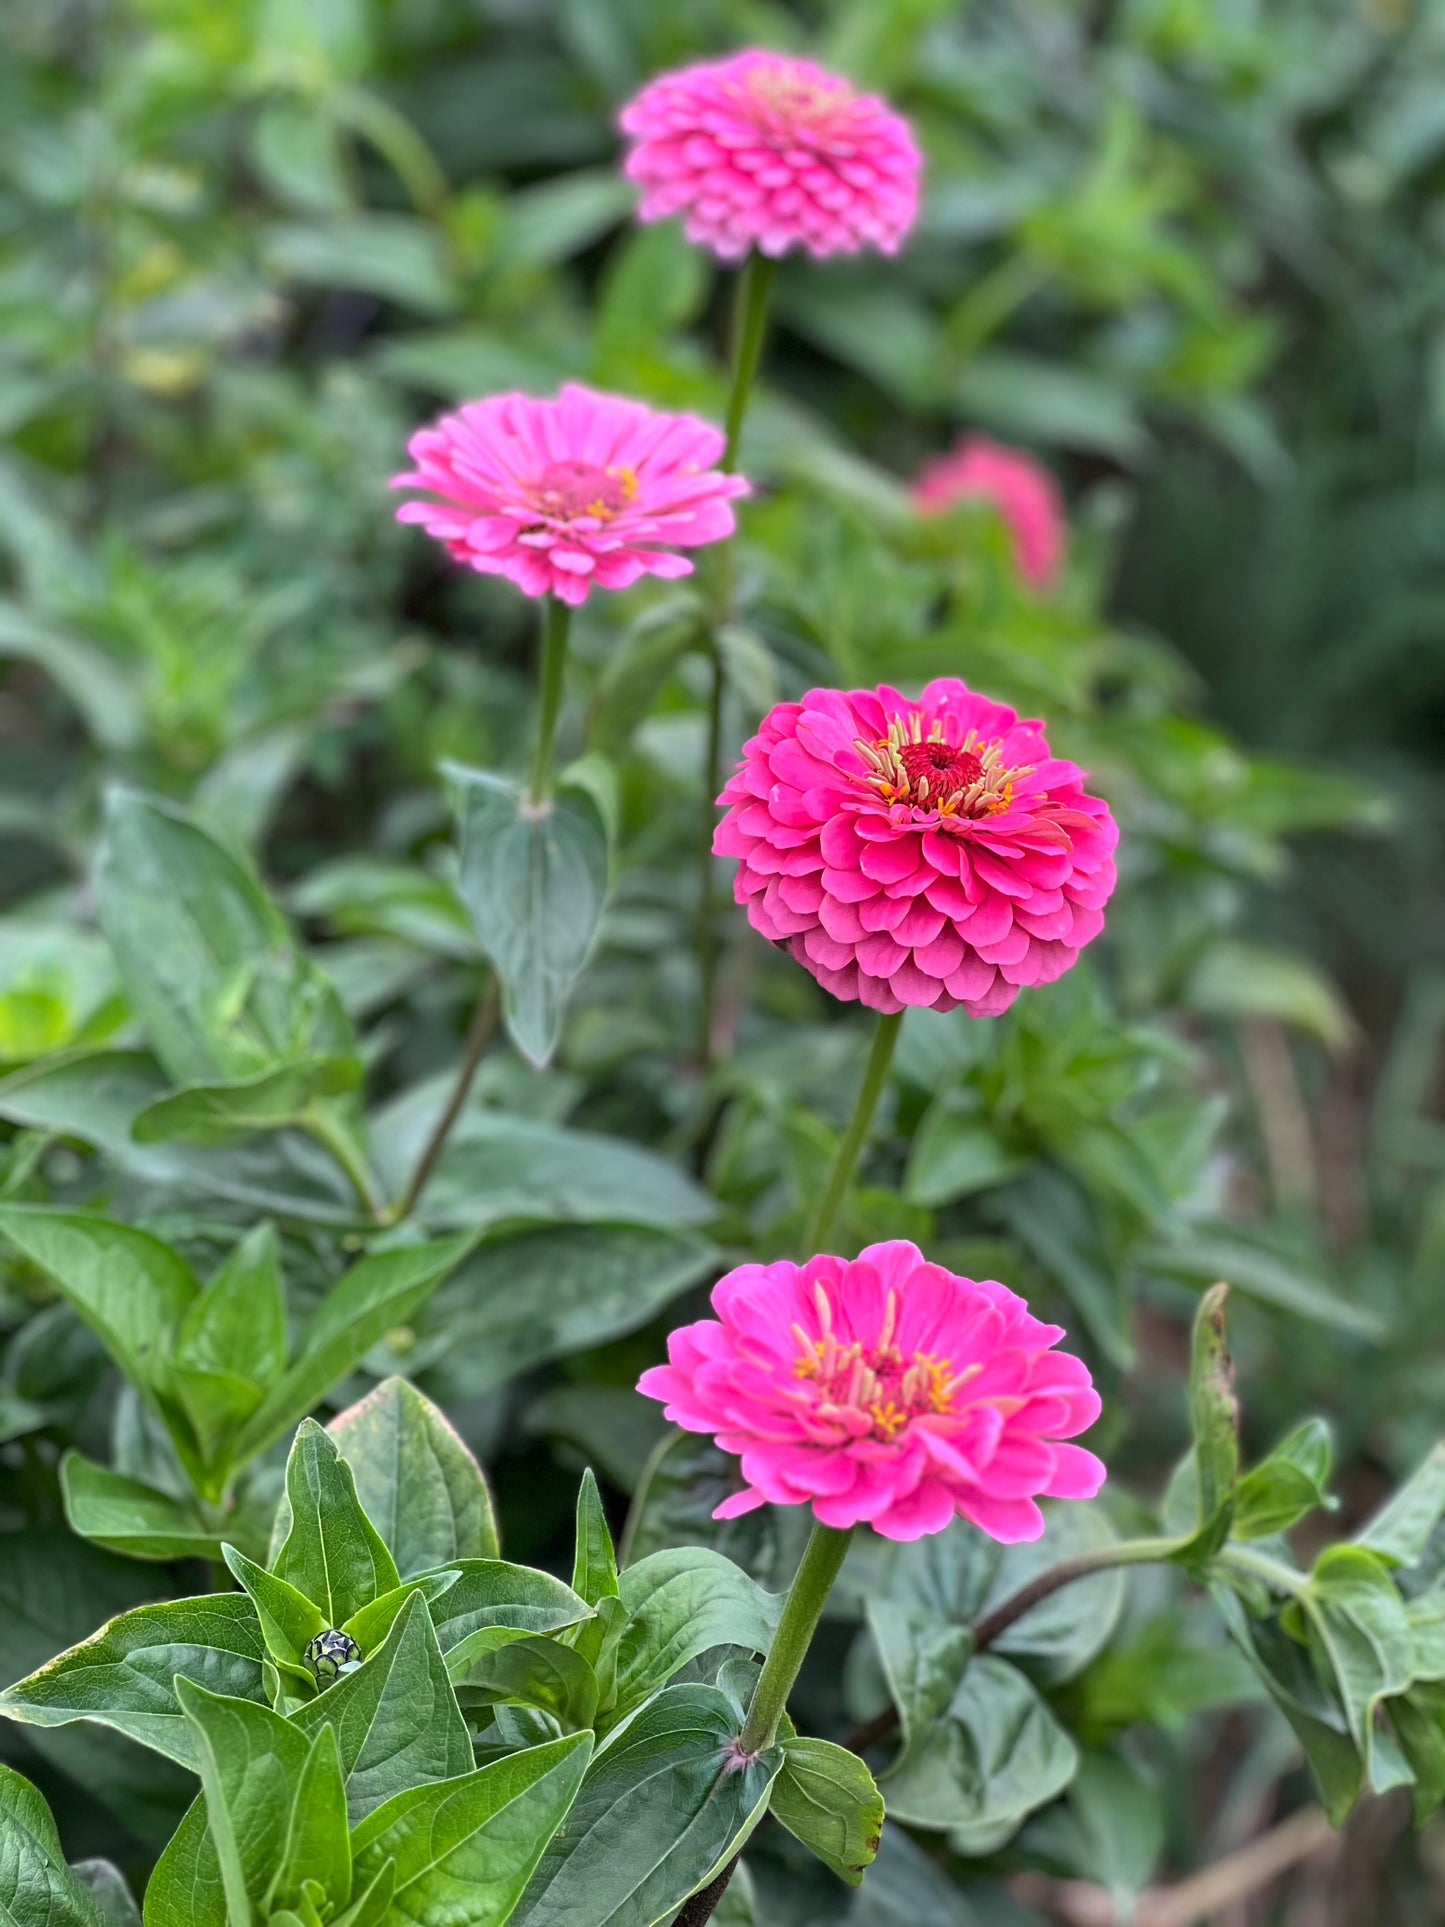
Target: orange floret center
[(880, 1384)]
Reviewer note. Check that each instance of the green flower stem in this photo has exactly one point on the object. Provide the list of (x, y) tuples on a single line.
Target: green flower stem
[(332, 1130), (874, 1078), (556, 618), (1258, 1565), (819, 1566), (750, 318)]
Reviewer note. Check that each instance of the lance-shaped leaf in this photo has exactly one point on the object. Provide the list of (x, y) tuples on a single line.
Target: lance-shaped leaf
[(826, 1797), (1214, 1410), (381, 1291), (681, 1604), (1285, 1486), (534, 878), (396, 1717), (217, 1113), (594, 1578), (131, 1289), (231, 1343), (123, 1676), (492, 1602), (417, 1482), (332, 1552), (130, 1517), (37, 1888), (1401, 1529), (1359, 1634), (289, 1620), (317, 1849), (250, 1762), (532, 1671), (464, 1849), (664, 1806)]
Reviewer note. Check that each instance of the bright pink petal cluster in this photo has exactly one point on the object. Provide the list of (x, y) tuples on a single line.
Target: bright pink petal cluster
[(1021, 489), (765, 151), (586, 490), (927, 851), (885, 1391)]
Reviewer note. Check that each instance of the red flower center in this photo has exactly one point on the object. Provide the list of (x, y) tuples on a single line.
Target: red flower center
[(945, 769), (567, 489)]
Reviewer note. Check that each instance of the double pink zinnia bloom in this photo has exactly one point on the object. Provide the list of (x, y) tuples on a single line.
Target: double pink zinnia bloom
[(765, 151), (1021, 489), (561, 496), (927, 851), (885, 1391)]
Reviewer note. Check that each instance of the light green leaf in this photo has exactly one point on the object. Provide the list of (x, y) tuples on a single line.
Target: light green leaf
[(1066, 1632), (216, 1113), (492, 1601), (466, 1848), (231, 1343), (530, 1671), (332, 1552), (186, 1884), (396, 1717), (1208, 1254), (826, 1797), (318, 1847), (594, 1565), (1234, 978), (1213, 1409), (680, 1604), (123, 1676), (533, 877), (1401, 1529), (1284, 1487), (415, 1478), (1359, 1634), (250, 1762), (129, 1288), (381, 1291), (955, 1152), (37, 1889), (289, 1621), (370, 1626), (663, 1808), (130, 1517)]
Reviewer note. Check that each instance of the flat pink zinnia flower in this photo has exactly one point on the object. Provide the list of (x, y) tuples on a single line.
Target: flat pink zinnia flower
[(885, 1391), (562, 495), (926, 851), (765, 151), (1021, 489)]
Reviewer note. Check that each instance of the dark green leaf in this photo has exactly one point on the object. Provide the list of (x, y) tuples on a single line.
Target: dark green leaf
[(681, 1604), (533, 876), (466, 1848), (332, 1552), (531, 1671), (37, 1889), (318, 1846), (594, 1566), (123, 1676), (416, 1480), (216, 1113), (662, 1808), (826, 1797), (131, 1517), (492, 1602), (250, 1762)]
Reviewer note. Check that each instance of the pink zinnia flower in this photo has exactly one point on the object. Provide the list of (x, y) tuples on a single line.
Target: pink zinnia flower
[(927, 851), (1021, 489), (765, 151), (562, 495), (884, 1390)]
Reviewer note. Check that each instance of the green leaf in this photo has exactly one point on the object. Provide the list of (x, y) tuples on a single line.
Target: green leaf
[(131, 1289), (663, 1807), (250, 1762), (289, 1621), (208, 963), (1213, 1408), (318, 1846), (1059, 1637), (466, 1848), (533, 877), (123, 1676), (396, 1717), (1418, 1718), (332, 1552), (1208, 1254), (1234, 978), (381, 1291), (981, 1749), (216, 1113), (231, 1343), (1284, 1487), (492, 1602), (681, 1604), (639, 663), (107, 1887), (370, 1626), (37, 1889), (530, 1671), (1359, 1634), (186, 1884), (594, 1565), (130, 1517), (955, 1152), (1401, 1529), (415, 1478), (826, 1797), (544, 1294)]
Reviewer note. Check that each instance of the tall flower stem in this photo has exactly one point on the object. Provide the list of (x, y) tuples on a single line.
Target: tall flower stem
[(750, 318), (556, 619), (480, 1032), (875, 1076), (819, 1566)]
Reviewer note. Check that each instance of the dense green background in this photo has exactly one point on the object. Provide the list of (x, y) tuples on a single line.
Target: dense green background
[(1187, 250)]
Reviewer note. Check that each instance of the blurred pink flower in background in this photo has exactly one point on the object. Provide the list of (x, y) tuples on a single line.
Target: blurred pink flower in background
[(587, 490), (1021, 489), (885, 1390), (929, 851), (770, 152)]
